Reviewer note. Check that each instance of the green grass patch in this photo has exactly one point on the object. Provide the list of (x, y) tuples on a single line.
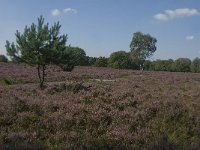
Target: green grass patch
[(7, 80)]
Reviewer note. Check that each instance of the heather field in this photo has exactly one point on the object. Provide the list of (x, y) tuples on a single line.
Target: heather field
[(98, 108)]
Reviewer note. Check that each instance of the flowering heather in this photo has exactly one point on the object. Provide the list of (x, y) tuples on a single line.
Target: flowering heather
[(152, 110), (27, 74)]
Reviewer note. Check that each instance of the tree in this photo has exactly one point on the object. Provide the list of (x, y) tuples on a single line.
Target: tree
[(3, 58), (164, 65), (91, 61), (77, 55), (142, 47), (101, 62), (39, 45), (182, 65), (147, 65), (120, 60), (195, 66), (73, 56)]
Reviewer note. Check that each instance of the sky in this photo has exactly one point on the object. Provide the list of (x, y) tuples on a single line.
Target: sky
[(101, 27)]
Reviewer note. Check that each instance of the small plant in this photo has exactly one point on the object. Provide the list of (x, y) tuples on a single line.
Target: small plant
[(6, 80), (76, 87)]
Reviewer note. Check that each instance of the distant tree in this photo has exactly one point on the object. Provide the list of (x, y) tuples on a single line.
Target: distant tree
[(101, 62), (147, 65), (120, 60), (91, 60), (3, 58), (182, 65), (73, 56), (142, 47), (164, 65), (39, 46), (77, 55), (195, 66)]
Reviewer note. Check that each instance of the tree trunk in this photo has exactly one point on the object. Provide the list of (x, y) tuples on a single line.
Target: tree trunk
[(41, 75), (141, 67)]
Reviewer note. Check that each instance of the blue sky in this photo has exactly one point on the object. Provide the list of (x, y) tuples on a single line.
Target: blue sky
[(101, 27)]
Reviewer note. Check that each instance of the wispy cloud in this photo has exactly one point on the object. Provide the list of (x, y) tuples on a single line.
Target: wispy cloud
[(70, 10), (55, 12), (189, 37), (177, 13)]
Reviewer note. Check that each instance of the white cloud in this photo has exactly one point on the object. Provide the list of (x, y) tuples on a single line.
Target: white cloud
[(70, 10), (177, 13), (189, 37), (161, 17), (55, 12)]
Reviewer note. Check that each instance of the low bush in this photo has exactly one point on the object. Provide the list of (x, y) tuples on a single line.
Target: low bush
[(6, 80)]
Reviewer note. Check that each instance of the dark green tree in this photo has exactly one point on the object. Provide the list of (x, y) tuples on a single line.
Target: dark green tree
[(182, 65), (142, 47), (73, 56), (77, 55), (39, 45), (3, 58), (147, 65), (195, 66), (91, 61), (120, 60), (164, 65), (101, 62)]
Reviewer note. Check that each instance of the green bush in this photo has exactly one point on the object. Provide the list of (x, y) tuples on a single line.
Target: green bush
[(6, 80), (3, 58), (182, 65), (120, 60), (195, 66), (101, 62)]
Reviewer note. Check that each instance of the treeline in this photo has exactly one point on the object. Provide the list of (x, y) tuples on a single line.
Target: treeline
[(125, 62), (76, 56), (178, 65)]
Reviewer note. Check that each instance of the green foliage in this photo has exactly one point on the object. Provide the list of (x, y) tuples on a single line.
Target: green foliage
[(120, 60), (76, 87), (178, 127), (182, 65), (72, 56), (142, 47), (3, 58), (101, 62), (91, 60), (195, 66), (38, 45), (163, 65), (6, 80)]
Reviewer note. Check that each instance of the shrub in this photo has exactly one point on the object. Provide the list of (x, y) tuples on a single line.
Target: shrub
[(76, 87), (183, 65), (3, 58), (195, 66), (120, 60), (101, 62), (6, 80)]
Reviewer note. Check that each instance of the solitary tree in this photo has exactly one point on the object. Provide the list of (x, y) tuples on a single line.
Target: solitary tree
[(142, 47), (39, 45)]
